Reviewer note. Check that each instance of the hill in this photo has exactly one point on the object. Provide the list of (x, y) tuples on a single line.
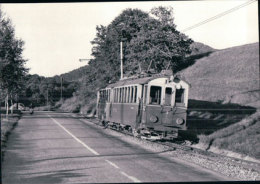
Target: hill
[(229, 76), (200, 48), (224, 105), (75, 75)]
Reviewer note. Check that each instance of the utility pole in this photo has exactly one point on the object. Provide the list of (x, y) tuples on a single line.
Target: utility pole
[(47, 96), (123, 34), (80, 60), (61, 80), (121, 58)]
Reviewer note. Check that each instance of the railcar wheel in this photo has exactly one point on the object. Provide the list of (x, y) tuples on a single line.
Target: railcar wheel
[(136, 133), (105, 124), (120, 128), (127, 128), (130, 130)]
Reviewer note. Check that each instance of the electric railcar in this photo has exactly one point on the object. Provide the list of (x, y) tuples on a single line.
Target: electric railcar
[(153, 106)]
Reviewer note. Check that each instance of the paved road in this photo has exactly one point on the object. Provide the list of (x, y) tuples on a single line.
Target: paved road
[(55, 148)]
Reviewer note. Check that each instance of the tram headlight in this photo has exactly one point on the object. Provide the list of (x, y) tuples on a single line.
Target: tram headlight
[(179, 121), (153, 119)]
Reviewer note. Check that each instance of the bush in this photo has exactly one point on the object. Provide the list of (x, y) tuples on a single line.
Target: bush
[(70, 105), (89, 108)]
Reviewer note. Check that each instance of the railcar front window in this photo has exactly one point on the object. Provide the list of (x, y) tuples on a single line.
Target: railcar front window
[(179, 98), (168, 96), (155, 95)]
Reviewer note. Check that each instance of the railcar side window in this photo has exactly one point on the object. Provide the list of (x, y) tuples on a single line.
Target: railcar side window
[(125, 90), (125, 100), (135, 96), (179, 98), (132, 94), (115, 98), (155, 95), (168, 96), (120, 91), (122, 94), (117, 95), (129, 94)]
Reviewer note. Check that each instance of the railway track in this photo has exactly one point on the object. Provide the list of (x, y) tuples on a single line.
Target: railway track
[(178, 143), (184, 146)]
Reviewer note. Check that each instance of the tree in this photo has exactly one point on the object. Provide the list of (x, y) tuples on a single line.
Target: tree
[(106, 45), (151, 41), (158, 44), (12, 69)]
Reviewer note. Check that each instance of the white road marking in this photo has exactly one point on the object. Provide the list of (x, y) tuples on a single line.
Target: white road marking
[(113, 164), (131, 177), (86, 146), (93, 151)]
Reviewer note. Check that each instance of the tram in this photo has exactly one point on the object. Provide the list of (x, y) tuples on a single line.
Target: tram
[(152, 106)]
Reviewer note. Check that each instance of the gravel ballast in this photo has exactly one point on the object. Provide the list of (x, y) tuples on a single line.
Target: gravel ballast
[(233, 168)]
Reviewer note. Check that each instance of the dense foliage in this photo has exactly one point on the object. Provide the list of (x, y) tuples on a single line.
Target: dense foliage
[(42, 91), (12, 69), (150, 41)]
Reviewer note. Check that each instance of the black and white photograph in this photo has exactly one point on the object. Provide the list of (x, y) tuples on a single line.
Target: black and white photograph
[(129, 92)]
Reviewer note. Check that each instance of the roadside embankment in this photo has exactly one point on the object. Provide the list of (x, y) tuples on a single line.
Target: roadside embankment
[(7, 125), (240, 140)]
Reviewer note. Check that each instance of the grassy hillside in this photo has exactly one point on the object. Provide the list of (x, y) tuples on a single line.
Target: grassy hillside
[(225, 100), (229, 75), (75, 75), (200, 48)]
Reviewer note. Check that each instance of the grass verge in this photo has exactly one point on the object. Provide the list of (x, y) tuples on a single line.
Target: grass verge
[(7, 125)]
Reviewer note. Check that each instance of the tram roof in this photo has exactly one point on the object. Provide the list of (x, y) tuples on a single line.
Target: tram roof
[(132, 81)]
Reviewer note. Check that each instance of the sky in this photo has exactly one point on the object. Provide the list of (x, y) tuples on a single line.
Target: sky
[(57, 35)]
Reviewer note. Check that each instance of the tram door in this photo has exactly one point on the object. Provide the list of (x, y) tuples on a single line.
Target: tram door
[(153, 107), (143, 102), (167, 106)]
